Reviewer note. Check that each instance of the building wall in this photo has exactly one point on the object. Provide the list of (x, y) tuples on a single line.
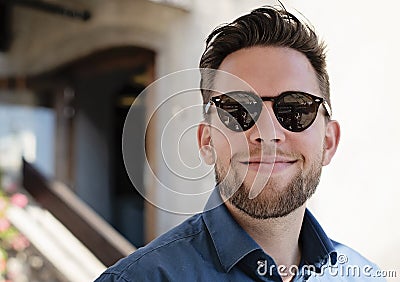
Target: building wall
[(357, 197)]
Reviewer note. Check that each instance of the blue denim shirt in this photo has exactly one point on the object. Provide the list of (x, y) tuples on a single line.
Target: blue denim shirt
[(211, 246)]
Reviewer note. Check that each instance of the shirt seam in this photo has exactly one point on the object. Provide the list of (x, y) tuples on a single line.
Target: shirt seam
[(121, 273), (117, 274)]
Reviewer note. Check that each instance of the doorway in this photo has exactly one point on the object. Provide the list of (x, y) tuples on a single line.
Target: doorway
[(91, 97)]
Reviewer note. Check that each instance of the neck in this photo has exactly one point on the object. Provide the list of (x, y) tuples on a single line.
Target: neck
[(278, 237)]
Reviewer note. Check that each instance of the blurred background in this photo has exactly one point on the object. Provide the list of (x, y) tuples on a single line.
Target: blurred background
[(69, 72)]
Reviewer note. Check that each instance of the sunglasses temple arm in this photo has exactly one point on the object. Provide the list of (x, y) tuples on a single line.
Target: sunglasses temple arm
[(327, 108), (207, 107)]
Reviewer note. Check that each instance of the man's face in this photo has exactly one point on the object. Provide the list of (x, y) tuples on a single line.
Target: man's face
[(268, 171)]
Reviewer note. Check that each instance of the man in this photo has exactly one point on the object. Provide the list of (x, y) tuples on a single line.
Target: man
[(268, 137)]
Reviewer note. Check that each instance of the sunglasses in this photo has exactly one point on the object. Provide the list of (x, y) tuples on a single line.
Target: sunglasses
[(294, 110)]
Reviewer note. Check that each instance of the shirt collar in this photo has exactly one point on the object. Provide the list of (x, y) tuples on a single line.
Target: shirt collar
[(232, 243), (317, 248), (230, 240)]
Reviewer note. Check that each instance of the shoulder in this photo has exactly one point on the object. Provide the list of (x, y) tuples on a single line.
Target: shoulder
[(165, 255), (347, 254)]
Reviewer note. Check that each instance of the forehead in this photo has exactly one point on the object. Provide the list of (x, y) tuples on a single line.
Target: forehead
[(267, 71)]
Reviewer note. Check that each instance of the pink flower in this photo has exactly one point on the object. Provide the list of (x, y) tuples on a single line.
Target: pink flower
[(4, 224), (3, 265), (19, 200), (20, 243)]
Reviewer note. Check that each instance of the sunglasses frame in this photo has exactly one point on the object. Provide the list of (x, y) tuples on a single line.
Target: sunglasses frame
[(216, 100)]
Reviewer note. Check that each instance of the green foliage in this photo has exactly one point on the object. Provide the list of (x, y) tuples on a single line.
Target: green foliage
[(11, 240)]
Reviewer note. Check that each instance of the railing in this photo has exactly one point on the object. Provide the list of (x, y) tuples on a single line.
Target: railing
[(88, 227)]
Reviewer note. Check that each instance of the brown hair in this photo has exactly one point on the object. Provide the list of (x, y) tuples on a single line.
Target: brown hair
[(266, 26)]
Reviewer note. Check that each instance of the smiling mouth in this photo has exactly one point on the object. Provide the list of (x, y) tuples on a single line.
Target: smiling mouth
[(268, 163), (268, 166)]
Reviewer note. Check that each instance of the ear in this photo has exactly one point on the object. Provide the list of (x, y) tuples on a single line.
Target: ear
[(331, 141), (205, 144)]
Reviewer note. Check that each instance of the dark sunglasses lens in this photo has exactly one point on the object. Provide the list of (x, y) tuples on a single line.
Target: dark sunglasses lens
[(239, 111), (296, 111)]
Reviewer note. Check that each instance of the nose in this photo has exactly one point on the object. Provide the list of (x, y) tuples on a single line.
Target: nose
[(267, 128)]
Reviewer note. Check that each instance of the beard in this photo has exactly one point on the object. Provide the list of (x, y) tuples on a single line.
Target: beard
[(274, 200)]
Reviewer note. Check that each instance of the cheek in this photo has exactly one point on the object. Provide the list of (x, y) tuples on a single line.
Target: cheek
[(309, 143), (226, 143), (222, 147)]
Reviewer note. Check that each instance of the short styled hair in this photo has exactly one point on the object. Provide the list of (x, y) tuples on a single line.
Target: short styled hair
[(266, 26)]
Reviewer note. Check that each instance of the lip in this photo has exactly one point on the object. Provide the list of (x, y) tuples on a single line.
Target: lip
[(269, 164)]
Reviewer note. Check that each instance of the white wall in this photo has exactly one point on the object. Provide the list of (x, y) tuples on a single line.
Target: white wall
[(357, 198)]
